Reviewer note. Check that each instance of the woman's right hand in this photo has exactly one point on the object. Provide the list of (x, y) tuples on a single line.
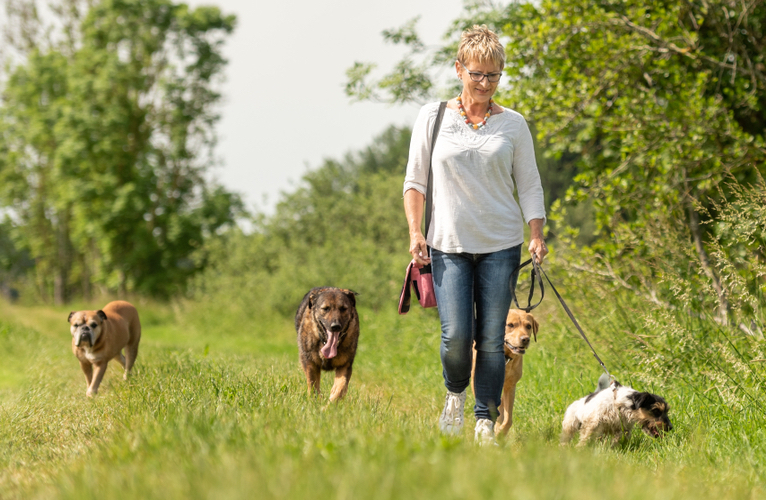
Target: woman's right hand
[(419, 249)]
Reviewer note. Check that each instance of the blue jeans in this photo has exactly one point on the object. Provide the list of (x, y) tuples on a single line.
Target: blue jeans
[(473, 294)]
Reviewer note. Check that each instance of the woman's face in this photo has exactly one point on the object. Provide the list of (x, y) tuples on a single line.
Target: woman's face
[(483, 90)]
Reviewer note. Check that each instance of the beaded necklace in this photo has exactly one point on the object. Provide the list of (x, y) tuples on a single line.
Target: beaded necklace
[(476, 126)]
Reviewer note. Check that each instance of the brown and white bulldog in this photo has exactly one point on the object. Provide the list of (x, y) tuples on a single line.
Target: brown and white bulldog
[(100, 336)]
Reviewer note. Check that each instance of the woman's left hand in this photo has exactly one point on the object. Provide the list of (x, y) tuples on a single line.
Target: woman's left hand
[(537, 246)]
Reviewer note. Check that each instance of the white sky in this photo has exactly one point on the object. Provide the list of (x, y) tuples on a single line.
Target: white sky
[(273, 129)]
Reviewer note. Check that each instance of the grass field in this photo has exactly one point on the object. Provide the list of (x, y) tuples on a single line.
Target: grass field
[(223, 413)]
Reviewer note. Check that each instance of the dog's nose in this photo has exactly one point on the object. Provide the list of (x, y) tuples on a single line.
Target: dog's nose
[(525, 341), (335, 327)]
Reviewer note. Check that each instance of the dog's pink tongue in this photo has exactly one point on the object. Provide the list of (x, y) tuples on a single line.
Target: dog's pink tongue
[(330, 349)]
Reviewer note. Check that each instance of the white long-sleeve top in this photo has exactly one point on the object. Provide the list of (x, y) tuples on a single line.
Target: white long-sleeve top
[(474, 210)]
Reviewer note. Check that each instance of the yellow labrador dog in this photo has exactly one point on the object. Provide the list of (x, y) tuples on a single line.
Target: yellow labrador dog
[(520, 326)]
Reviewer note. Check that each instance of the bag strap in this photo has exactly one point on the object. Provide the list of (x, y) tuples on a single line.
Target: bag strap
[(430, 189), (405, 297)]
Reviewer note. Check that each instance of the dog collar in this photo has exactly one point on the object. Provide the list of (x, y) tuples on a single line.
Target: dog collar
[(508, 358)]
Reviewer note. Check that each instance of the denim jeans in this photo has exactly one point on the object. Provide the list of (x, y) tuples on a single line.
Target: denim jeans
[(473, 296)]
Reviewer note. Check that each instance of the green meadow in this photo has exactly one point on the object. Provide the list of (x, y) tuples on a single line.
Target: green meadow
[(224, 413)]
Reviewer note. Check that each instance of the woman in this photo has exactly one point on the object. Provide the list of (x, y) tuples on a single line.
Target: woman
[(476, 229)]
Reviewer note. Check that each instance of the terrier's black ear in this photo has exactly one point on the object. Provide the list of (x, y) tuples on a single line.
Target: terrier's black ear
[(69, 318), (642, 400), (101, 314)]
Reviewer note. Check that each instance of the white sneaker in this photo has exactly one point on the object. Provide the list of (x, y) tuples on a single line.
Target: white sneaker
[(485, 432), (451, 420)]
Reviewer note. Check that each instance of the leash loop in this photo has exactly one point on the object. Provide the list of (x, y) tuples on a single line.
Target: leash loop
[(535, 274)]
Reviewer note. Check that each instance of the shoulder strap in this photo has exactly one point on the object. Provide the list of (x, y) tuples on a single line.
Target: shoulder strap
[(430, 189)]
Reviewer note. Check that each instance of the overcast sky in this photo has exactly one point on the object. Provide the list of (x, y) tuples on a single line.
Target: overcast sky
[(273, 129)]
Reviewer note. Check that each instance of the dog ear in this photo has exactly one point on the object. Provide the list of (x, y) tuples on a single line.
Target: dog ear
[(535, 326), (69, 318), (313, 295), (351, 295), (641, 400), (101, 314)]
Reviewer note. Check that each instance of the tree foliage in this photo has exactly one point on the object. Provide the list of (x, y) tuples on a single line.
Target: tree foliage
[(106, 132), (657, 108), (659, 100)]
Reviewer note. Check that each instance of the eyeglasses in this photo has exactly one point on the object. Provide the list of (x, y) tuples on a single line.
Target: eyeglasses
[(477, 77)]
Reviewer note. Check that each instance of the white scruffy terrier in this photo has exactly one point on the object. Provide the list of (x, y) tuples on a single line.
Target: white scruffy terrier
[(614, 411)]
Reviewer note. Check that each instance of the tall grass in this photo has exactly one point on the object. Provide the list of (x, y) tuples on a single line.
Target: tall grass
[(678, 318), (225, 414)]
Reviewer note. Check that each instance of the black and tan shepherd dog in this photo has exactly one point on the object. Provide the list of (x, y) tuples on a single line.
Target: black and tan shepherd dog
[(328, 332)]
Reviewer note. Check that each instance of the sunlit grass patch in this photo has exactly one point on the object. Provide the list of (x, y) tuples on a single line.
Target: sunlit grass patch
[(222, 423)]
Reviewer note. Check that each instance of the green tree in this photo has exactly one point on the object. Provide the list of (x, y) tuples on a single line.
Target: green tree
[(13, 260), (659, 108), (107, 132)]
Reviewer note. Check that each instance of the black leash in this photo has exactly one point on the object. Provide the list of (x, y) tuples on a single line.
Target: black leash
[(537, 271)]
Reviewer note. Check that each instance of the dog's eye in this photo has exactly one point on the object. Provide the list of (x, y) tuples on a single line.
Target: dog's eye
[(511, 325), (529, 327), (325, 308), (343, 309), (93, 325), (657, 413)]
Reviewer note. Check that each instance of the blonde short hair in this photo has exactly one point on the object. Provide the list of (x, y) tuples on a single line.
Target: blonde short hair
[(480, 44)]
